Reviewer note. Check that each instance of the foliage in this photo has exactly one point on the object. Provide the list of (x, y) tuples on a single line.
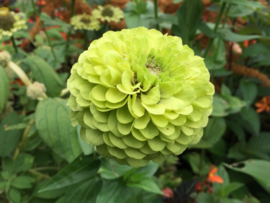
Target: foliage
[(43, 158)]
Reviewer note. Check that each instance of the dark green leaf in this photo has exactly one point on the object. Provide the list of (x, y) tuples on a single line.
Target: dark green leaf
[(258, 169), (54, 126), (147, 184), (44, 73), (252, 118), (220, 107), (87, 149), (228, 189), (84, 192), (9, 139), (181, 14), (114, 191), (249, 91), (83, 167), (22, 182), (228, 35), (52, 194), (14, 195)]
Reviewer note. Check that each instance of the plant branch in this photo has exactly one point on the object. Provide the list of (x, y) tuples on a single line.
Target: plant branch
[(14, 44)]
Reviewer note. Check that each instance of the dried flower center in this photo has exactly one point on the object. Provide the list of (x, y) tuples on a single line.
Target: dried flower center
[(4, 11), (85, 20), (153, 67), (107, 12)]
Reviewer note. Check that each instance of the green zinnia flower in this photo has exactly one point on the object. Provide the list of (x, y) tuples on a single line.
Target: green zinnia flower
[(108, 13), (140, 95), (10, 22), (85, 22)]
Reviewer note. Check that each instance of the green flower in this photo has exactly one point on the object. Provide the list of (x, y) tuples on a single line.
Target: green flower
[(140, 95), (108, 13), (10, 22), (85, 22)]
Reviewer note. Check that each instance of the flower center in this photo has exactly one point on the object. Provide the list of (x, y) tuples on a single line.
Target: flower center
[(153, 67), (107, 12), (85, 20)]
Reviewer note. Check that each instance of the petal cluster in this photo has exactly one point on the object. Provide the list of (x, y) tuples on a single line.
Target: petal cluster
[(85, 22), (140, 95), (108, 13), (10, 22)]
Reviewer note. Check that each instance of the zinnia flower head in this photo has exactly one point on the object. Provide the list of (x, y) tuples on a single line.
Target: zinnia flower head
[(108, 13), (85, 22), (10, 22), (140, 95)]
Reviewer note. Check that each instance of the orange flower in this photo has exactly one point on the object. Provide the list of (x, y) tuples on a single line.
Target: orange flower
[(249, 42), (212, 177), (263, 105)]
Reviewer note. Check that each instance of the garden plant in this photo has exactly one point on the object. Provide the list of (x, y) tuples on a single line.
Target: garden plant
[(134, 101)]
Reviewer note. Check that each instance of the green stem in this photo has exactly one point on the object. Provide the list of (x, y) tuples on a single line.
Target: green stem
[(187, 22), (69, 32), (14, 44), (85, 46), (215, 29), (156, 13), (44, 28)]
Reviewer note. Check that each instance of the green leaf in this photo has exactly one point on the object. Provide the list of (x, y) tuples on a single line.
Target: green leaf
[(249, 4), (205, 198), (114, 190), (4, 88), (9, 139), (249, 91), (218, 59), (149, 170), (220, 107), (228, 189), (205, 29), (228, 35), (87, 149), (214, 130), (252, 118), (83, 167), (110, 169), (22, 182), (44, 73), (147, 184), (181, 14), (239, 11), (258, 169), (84, 192), (194, 160), (54, 126), (14, 195), (52, 194)]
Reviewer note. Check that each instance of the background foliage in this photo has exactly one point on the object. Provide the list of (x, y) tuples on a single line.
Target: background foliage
[(44, 160)]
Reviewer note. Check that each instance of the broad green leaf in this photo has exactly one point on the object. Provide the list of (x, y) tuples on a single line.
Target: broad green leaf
[(9, 139), (52, 194), (4, 88), (249, 4), (150, 169), (252, 118), (228, 35), (220, 107), (110, 169), (205, 198), (22, 182), (214, 130), (239, 11), (54, 126), (83, 167), (84, 192), (249, 91), (114, 191), (14, 195), (258, 169), (44, 73), (195, 161), (147, 184), (181, 15), (228, 189), (87, 149)]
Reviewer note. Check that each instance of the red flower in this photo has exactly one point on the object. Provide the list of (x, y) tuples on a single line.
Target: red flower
[(212, 177), (168, 192), (198, 186)]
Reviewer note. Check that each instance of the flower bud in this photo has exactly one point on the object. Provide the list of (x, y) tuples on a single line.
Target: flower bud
[(36, 90)]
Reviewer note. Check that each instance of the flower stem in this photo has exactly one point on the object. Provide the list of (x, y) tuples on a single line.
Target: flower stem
[(156, 13), (215, 29), (20, 73), (187, 22), (14, 44), (85, 40), (44, 28)]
